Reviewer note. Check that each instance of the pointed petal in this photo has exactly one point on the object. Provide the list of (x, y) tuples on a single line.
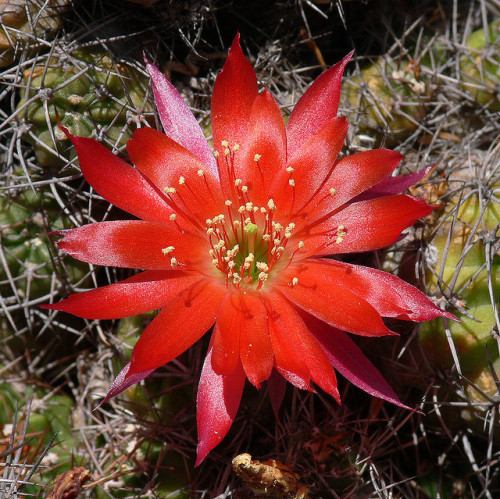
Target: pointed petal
[(134, 244), (347, 358), (216, 405), (169, 165), (312, 164), (335, 305), (141, 293), (122, 382), (226, 340), (256, 352), (369, 225), (276, 385), (394, 185), (118, 182), (179, 325), (177, 119), (297, 352), (316, 107), (266, 141), (233, 95), (388, 294), (355, 174)]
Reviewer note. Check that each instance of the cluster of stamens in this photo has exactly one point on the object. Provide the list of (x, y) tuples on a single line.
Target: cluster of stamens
[(246, 242)]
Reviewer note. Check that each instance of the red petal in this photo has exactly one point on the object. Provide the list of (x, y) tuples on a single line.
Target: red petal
[(180, 323), (369, 225), (347, 358), (217, 404), (265, 138), (226, 339), (134, 244), (177, 119), (296, 350), (118, 182), (388, 294), (394, 185), (233, 95), (342, 308), (316, 107), (276, 385), (353, 175), (312, 164), (256, 352), (141, 293), (122, 382), (168, 164)]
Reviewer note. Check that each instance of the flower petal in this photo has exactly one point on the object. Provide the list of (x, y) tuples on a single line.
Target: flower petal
[(310, 167), (394, 185), (388, 294), (216, 405), (297, 352), (369, 225), (226, 339), (118, 182), (169, 165), (316, 107), (256, 352), (335, 305), (181, 323), (122, 382), (233, 95), (353, 175), (242, 329), (177, 119), (262, 154), (276, 385), (141, 293), (134, 244), (348, 359)]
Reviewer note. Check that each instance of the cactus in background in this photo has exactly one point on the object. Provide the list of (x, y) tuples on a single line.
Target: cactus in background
[(390, 98), (94, 97), (480, 66), (464, 263), (24, 23), (30, 263)]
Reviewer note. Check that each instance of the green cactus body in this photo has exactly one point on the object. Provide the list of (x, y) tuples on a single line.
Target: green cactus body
[(390, 98), (29, 257), (480, 67), (469, 336), (26, 22), (93, 96)]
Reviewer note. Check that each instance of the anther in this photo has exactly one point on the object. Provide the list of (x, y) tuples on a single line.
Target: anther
[(167, 250), (227, 151), (227, 202), (216, 154), (332, 191), (236, 147), (271, 205), (201, 172), (182, 180), (174, 262), (173, 217), (170, 190), (292, 182), (290, 169), (295, 281), (257, 157)]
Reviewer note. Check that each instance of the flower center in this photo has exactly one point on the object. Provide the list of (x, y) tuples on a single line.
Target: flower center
[(247, 244)]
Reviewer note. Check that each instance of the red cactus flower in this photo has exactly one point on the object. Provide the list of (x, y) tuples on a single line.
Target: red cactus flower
[(236, 239)]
